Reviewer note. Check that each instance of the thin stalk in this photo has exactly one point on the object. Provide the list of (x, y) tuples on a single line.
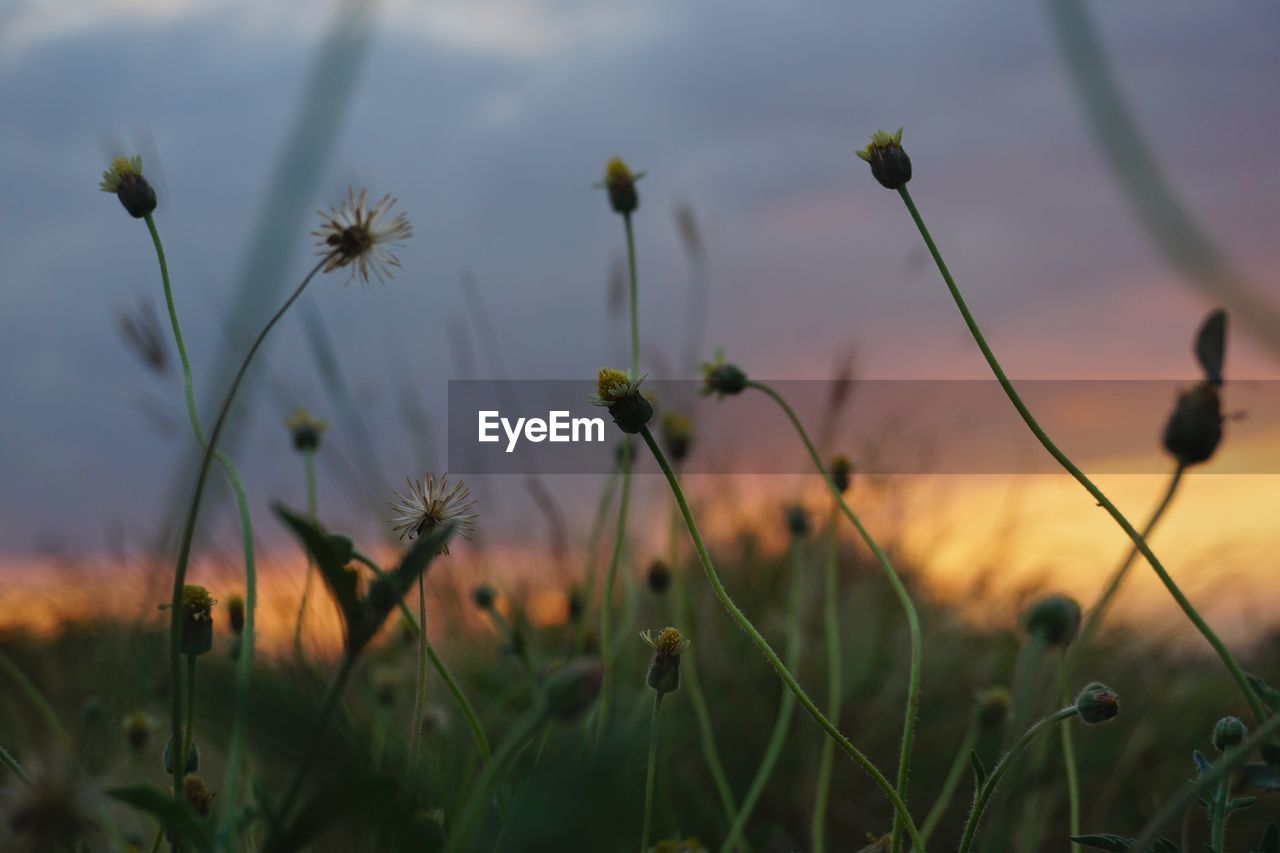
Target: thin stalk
[(1069, 760), (28, 689), (189, 527), (309, 466), (904, 599), (12, 763), (479, 794), (606, 602), (786, 708), (1219, 828), (189, 737), (633, 296), (1023, 708), (593, 540), (420, 683), (1192, 614), (692, 682), (982, 796), (469, 712), (327, 708), (835, 693), (762, 644), (652, 769), (244, 664), (950, 784)]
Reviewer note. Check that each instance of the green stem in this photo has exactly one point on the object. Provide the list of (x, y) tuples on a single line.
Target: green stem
[(1219, 829), (189, 527), (904, 599), (633, 296), (1218, 646), (12, 763), (309, 466), (693, 682), (330, 704), (188, 736), (477, 730), (606, 602), (244, 665), (35, 697), (835, 693), (420, 683), (1069, 759), (950, 784), (762, 644), (593, 541), (786, 708), (479, 794), (982, 796), (652, 769)]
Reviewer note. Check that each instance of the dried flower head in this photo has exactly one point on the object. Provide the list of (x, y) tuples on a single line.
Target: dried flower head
[(200, 797), (620, 184), (890, 165), (352, 236), (722, 379), (431, 503), (124, 178), (57, 810), (306, 430), (620, 394), (677, 435), (664, 669)]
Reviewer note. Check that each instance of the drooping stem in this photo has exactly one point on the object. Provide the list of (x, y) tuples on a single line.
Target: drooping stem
[(950, 784), (762, 644), (478, 796), (651, 771), (606, 601), (982, 796), (193, 510), (835, 692), (899, 589), (1192, 614), (309, 466), (327, 707), (786, 707)]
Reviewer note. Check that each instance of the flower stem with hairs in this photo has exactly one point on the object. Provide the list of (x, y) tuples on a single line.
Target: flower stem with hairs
[(651, 769), (835, 691)]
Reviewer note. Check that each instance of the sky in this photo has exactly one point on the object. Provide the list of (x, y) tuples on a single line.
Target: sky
[(490, 121)]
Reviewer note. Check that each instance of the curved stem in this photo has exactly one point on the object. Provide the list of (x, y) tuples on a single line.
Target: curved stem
[(1192, 614), (983, 795), (835, 693), (309, 466), (244, 664), (949, 784), (188, 530), (651, 771), (786, 708), (606, 602), (1069, 759), (762, 644), (904, 599)]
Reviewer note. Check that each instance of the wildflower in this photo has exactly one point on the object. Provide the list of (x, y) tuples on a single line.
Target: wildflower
[(235, 612), (429, 505), (797, 521), (722, 379), (573, 688), (197, 620), (677, 435), (664, 669), (620, 184), (1097, 703), (1228, 733), (890, 165), (841, 472), (659, 577), (621, 395), (991, 708), (1054, 618), (137, 727), (351, 236), (124, 178), (306, 430), (483, 596), (1194, 429)]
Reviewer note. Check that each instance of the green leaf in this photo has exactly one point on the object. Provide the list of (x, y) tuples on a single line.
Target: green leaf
[(1262, 776), (1240, 803), (1203, 765), (1120, 843), (1211, 345), (176, 816), (1268, 694), (331, 558), (1270, 842), (979, 772)]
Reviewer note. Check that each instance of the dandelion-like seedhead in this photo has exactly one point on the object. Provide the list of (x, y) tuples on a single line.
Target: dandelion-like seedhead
[(1097, 703), (664, 669), (620, 394), (620, 184), (304, 429), (430, 503), (721, 378), (356, 235), (124, 178), (890, 165)]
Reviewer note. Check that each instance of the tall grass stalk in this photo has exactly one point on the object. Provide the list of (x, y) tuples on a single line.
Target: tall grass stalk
[(651, 769), (708, 568), (900, 590), (1139, 542), (786, 703), (835, 689), (610, 578), (244, 664), (189, 527)]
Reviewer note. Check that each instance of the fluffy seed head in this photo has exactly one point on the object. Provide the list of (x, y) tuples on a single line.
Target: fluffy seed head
[(429, 504), (357, 235), (890, 165)]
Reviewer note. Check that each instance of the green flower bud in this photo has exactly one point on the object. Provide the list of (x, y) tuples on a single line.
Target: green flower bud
[(722, 379), (306, 430), (621, 396), (841, 473), (677, 435), (1228, 733), (620, 184), (659, 577), (992, 708), (797, 521), (890, 165), (124, 178), (573, 688), (197, 620), (1194, 430), (1055, 618), (1097, 703), (235, 611), (137, 727), (483, 596), (664, 668)]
